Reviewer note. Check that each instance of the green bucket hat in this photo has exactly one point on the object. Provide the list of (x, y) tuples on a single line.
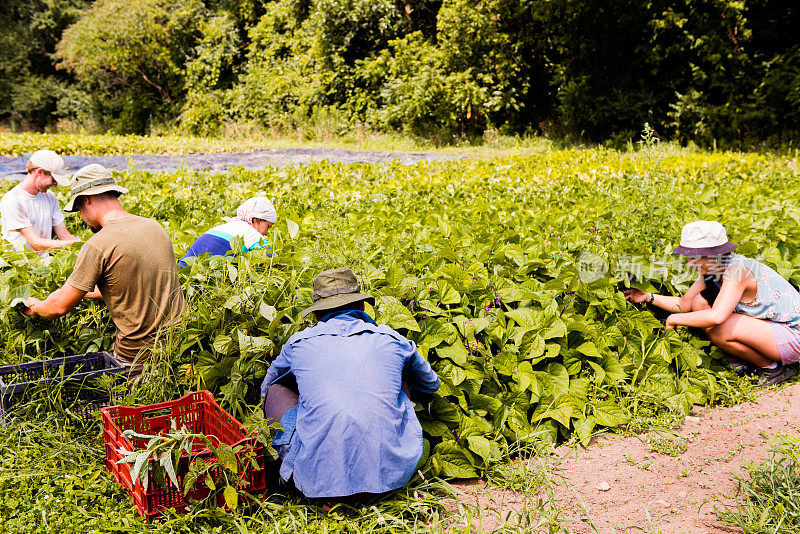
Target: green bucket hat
[(334, 288), (92, 179)]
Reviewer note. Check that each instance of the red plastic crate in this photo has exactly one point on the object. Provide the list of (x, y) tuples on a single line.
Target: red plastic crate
[(200, 413)]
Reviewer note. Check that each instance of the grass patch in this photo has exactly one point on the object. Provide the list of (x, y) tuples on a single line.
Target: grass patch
[(667, 443), (17, 144), (767, 498), (53, 479), (520, 497)]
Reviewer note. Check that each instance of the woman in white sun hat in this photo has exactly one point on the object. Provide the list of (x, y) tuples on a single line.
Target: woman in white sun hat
[(254, 217), (747, 309)]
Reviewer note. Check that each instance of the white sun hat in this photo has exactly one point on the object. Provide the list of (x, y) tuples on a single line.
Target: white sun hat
[(704, 238), (52, 163), (257, 208)]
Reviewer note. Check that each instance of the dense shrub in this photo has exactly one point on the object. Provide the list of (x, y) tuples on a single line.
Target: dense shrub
[(699, 70), (30, 86)]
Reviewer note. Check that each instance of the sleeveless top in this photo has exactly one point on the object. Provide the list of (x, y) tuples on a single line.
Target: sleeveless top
[(776, 299)]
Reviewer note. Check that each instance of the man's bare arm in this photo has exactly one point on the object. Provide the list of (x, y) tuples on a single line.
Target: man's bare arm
[(63, 234), (58, 303), (39, 243)]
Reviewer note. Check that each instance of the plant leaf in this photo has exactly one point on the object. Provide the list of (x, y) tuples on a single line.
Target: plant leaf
[(293, 228), (231, 497)]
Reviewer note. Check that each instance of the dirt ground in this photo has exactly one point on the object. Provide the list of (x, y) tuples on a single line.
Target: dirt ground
[(258, 159), (621, 485)]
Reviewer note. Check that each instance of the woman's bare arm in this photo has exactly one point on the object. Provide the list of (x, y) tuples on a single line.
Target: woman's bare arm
[(680, 304)]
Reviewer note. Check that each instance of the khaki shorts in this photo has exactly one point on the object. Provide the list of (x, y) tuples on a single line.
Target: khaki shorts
[(133, 368)]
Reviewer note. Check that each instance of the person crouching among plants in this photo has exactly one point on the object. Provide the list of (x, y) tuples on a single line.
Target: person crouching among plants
[(747, 309), (254, 217), (342, 392), (129, 262)]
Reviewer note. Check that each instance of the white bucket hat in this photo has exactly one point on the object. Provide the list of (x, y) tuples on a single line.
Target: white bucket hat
[(257, 208), (704, 238), (52, 163)]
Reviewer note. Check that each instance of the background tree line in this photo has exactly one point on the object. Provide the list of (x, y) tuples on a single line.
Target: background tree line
[(701, 70)]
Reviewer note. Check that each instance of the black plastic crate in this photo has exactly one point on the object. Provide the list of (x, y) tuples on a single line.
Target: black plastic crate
[(73, 376)]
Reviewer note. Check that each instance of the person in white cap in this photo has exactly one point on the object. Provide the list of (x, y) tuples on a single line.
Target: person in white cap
[(747, 309), (254, 217), (29, 213), (130, 260)]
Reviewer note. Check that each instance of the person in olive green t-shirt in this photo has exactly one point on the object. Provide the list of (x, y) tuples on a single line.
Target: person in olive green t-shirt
[(130, 260)]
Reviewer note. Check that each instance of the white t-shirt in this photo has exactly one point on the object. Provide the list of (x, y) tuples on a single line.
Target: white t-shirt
[(20, 209)]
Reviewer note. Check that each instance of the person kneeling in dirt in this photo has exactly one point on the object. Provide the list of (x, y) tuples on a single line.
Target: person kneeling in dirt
[(747, 309), (254, 217), (129, 259), (351, 431)]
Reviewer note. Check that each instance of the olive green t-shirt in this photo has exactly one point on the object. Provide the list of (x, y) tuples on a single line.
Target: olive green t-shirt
[(132, 262)]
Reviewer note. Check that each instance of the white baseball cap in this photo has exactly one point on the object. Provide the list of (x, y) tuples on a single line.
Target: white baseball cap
[(704, 238), (258, 208), (52, 163)]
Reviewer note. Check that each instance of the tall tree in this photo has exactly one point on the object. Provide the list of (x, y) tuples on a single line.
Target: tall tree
[(30, 85)]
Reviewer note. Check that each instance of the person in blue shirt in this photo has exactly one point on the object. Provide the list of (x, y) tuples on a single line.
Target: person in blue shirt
[(254, 218), (342, 392)]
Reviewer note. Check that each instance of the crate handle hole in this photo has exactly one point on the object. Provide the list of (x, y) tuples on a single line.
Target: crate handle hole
[(157, 413)]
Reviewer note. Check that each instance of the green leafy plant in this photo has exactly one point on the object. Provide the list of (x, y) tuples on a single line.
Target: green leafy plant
[(169, 452), (476, 261), (671, 444)]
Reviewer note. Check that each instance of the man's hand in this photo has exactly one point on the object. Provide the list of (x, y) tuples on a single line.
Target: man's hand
[(64, 243), (29, 304), (670, 324), (58, 303), (95, 294)]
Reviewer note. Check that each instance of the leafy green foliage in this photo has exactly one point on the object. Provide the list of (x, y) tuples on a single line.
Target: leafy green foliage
[(142, 67), (31, 89), (697, 70), (492, 294), (107, 145), (478, 262)]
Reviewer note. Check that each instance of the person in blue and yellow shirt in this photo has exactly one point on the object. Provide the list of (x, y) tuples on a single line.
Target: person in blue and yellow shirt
[(254, 218)]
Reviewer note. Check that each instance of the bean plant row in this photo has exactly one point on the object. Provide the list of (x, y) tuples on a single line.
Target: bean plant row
[(508, 274)]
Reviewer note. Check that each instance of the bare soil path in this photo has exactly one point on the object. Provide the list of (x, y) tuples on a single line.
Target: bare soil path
[(655, 492), (258, 159)]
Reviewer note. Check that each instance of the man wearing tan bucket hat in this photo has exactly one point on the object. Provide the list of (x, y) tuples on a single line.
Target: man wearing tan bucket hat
[(129, 259), (29, 213), (342, 392)]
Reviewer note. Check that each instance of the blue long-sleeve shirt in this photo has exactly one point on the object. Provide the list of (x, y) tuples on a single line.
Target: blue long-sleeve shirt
[(355, 430)]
